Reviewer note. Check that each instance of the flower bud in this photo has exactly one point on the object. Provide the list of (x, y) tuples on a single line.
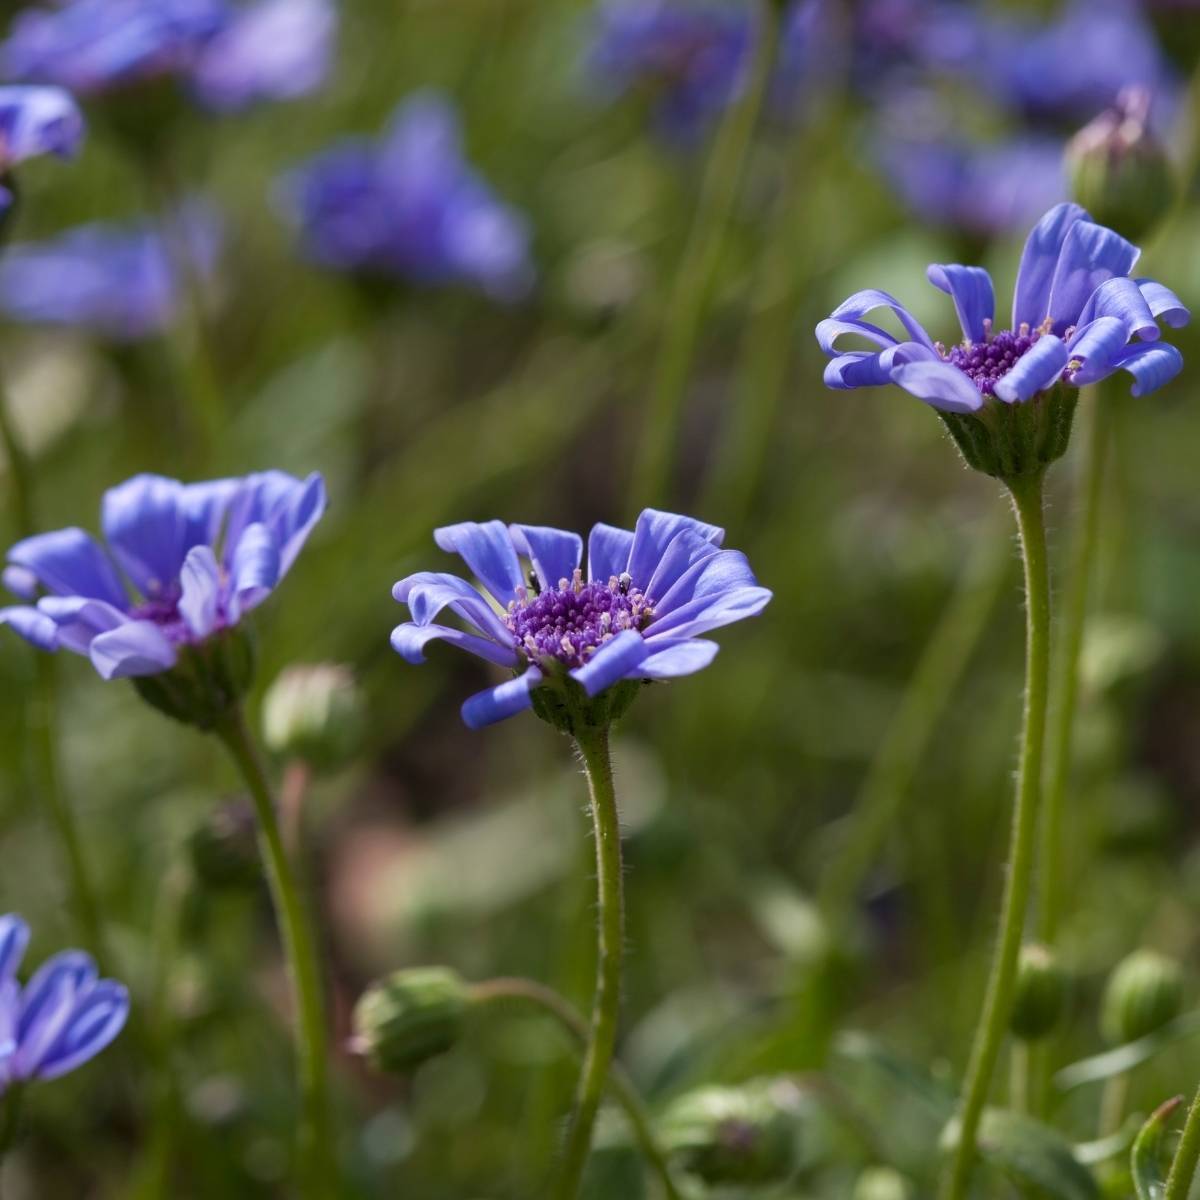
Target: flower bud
[(410, 1017), (881, 1183), (1119, 171), (1144, 992), (1040, 993), (314, 713), (734, 1135), (224, 848)]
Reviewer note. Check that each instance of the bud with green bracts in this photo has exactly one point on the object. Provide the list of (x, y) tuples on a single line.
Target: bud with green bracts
[(882, 1183), (1040, 993), (734, 1135), (410, 1017), (1144, 992), (1119, 171), (314, 713)]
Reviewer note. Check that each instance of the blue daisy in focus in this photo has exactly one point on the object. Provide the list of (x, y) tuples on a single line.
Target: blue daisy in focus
[(634, 613), (184, 563), (64, 1016), (1078, 317), (410, 206)]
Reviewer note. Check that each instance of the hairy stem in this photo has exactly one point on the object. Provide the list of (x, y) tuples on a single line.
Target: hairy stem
[(1183, 1166)]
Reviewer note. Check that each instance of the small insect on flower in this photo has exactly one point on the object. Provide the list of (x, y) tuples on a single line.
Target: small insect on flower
[(64, 1016), (199, 557), (635, 614)]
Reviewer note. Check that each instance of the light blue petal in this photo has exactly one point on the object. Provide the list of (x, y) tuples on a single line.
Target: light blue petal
[(409, 641), (939, 384), (1036, 369), (608, 552), (617, 659), (200, 596), (144, 522), (555, 553), (20, 581), (857, 306), (709, 610), (685, 552), (427, 593), (1031, 297), (254, 571), (652, 535), (79, 620), (973, 294), (95, 1020), (673, 657), (723, 571), (488, 550), (505, 700), (14, 938), (1121, 298), (69, 562), (1164, 303), (34, 626), (1098, 342), (830, 329), (1091, 254), (46, 1005), (1152, 364), (135, 648)]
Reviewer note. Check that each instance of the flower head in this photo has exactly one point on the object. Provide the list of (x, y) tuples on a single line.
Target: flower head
[(64, 1016), (184, 563), (410, 205), (633, 613), (121, 281)]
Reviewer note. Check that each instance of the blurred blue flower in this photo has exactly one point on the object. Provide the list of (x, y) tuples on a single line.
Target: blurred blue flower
[(635, 615), (410, 205), (1076, 312), (121, 281), (271, 50), (64, 1016), (93, 46), (37, 120), (980, 189), (198, 558)]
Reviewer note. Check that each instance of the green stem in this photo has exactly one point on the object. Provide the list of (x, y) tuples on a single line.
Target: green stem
[(316, 1150), (890, 777), (993, 1022), (619, 1083), (1075, 604), (593, 749), (1183, 1166), (695, 280)]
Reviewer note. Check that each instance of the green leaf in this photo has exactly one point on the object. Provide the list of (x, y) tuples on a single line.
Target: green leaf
[(1145, 1159), (1038, 1159), (1125, 1058)]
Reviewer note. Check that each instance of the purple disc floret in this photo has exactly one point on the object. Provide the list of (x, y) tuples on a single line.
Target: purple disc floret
[(64, 1016), (183, 563), (633, 613)]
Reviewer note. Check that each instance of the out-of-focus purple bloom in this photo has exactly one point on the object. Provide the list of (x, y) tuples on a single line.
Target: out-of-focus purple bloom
[(978, 189), (272, 50), (121, 281), (198, 557), (37, 120), (410, 205), (634, 614), (1076, 315), (93, 46), (64, 1016)]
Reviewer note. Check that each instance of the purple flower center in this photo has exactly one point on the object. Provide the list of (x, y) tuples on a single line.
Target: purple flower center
[(571, 622), (989, 361)]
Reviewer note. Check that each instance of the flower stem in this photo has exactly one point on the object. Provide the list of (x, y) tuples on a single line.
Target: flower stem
[(989, 1034), (602, 1037), (1075, 603), (695, 280), (316, 1151), (1183, 1166), (619, 1083), (933, 681)]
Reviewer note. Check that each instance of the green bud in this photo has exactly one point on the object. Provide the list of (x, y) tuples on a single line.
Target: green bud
[(1144, 992), (1119, 171), (410, 1017), (881, 1183), (224, 848), (314, 713), (1040, 993), (210, 677), (735, 1135), (1015, 441)]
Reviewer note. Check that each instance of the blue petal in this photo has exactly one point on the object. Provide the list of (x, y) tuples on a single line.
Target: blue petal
[(14, 938), (686, 551), (46, 1005), (20, 581), (488, 550), (288, 507), (974, 296), (652, 535), (608, 552), (200, 594), (1031, 297), (292, 525), (205, 506), (409, 641), (428, 592), (555, 553), (724, 571), (79, 620), (709, 610), (830, 329), (1036, 369), (135, 648), (34, 626), (857, 306), (1152, 364), (144, 522), (1097, 342), (70, 562), (1090, 255), (94, 1022), (940, 385), (37, 120), (1164, 303), (505, 700), (858, 368), (672, 657), (617, 659), (256, 568), (1122, 298)]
